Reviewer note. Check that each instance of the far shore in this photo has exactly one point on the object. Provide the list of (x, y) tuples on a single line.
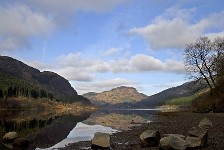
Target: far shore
[(25, 103)]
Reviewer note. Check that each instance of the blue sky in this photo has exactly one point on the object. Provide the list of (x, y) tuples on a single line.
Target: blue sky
[(101, 44)]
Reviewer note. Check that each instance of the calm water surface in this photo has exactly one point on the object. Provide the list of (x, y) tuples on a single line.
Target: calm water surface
[(47, 131)]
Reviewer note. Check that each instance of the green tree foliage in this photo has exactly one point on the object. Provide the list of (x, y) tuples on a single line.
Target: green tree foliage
[(34, 93), (13, 87), (43, 93)]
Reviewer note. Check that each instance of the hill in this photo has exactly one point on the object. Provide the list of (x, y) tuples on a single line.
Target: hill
[(116, 96), (185, 90), (19, 79)]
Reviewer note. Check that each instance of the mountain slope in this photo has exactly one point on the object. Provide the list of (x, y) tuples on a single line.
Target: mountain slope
[(115, 96), (48, 81), (184, 90)]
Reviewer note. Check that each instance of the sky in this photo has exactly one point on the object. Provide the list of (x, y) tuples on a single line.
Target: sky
[(101, 44)]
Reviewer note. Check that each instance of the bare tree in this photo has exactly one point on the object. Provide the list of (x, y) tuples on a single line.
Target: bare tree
[(219, 47), (204, 59)]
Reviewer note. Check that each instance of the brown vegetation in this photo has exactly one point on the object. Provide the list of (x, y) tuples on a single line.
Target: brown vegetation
[(209, 101), (23, 103)]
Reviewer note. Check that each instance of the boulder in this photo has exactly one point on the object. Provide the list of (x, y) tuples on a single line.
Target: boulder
[(205, 123), (198, 132), (177, 135), (150, 138), (172, 142), (194, 142), (101, 141), (201, 133), (9, 137), (21, 142)]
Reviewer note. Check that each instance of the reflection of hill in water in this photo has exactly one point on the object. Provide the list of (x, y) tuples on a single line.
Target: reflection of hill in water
[(41, 133), (139, 112), (116, 121), (120, 119)]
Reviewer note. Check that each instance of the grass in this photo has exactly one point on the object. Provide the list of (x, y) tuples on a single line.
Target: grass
[(182, 102), (204, 101)]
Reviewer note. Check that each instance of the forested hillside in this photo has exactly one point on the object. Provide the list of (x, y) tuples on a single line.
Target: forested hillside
[(19, 79), (13, 87)]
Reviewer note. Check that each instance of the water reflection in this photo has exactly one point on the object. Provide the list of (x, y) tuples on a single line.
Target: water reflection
[(42, 132), (46, 130), (121, 119), (55, 132), (81, 132)]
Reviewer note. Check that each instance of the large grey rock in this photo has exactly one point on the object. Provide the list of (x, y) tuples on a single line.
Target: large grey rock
[(177, 135), (101, 141), (201, 133), (194, 142), (172, 142), (198, 132), (205, 123), (150, 138), (9, 137)]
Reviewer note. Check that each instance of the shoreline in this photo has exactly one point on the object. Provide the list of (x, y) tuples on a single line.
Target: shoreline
[(41, 104), (166, 123)]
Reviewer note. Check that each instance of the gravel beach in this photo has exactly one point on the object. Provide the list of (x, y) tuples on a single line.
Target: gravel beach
[(166, 123)]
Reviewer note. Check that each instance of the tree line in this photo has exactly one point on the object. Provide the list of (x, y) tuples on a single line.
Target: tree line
[(13, 87)]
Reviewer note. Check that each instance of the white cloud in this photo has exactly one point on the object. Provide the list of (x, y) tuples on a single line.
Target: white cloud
[(144, 63), (215, 35), (174, 28), (78, 68), (75, 66), (135, 64), (78, 60), (11, 43), (113, 83), (103, 85), (174, 66), (106, 85), (71, 59), (120, 65), (76, 74), (112, 51), (26, 19), (68, 71), (19, 23)]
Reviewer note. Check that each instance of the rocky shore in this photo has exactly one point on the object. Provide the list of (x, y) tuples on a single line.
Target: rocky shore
[(165, 123)]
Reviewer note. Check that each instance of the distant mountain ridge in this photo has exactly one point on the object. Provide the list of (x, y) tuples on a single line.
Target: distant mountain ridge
[(49, 81), (116, 96), (184, 90)]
